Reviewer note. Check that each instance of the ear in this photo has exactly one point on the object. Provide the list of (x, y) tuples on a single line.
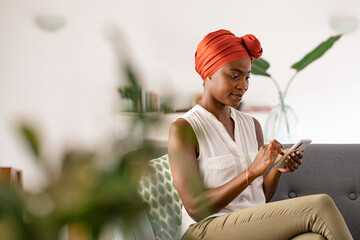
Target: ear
[(207, 80)]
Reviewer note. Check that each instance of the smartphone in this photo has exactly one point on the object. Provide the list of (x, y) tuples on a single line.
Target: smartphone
[(300, 146)]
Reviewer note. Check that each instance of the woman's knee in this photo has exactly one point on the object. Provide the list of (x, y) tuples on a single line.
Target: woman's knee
[(323, 202), (324, 199)]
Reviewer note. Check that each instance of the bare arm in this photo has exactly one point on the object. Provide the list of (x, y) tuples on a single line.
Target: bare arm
[(198, 201), (270, 183), (272, 179), (292, 162)]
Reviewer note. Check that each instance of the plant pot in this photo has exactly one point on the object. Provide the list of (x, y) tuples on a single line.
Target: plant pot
[(282, 124)]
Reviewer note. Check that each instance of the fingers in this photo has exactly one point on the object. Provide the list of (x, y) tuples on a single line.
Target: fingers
[(276, 146), (276, 142), (293, 161), (273, 149)]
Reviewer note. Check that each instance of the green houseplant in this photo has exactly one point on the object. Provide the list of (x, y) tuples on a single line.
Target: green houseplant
[(131, 94), (90, 191), (282, 122)]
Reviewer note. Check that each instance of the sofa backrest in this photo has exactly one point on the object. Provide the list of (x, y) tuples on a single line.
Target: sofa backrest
[(333, 169), (327, 168)]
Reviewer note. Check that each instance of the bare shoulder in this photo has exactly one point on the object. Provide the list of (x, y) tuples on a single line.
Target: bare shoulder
[(256, 123), (259, 133), (180, 124), (181, 129), (182, 137)]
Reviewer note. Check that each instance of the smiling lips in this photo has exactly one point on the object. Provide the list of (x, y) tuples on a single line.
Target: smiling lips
[(237, 96)]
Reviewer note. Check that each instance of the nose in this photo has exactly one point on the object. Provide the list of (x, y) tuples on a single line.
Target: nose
[(243, 84)]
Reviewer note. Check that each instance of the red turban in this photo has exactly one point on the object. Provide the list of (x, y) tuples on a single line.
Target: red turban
[(221, 47)]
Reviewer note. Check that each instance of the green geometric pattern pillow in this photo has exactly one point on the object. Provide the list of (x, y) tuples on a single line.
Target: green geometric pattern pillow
[(158, 191)]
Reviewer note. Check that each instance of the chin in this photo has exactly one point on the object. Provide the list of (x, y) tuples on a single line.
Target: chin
[(235, 105)]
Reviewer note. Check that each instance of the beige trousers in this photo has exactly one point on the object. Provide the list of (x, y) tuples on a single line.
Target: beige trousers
[(314, 217)]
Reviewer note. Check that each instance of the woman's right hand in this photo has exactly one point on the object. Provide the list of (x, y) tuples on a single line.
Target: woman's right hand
[(265, 157)]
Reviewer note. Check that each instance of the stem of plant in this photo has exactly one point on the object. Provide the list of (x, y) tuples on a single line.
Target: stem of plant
[(288, 84), (277, 86)]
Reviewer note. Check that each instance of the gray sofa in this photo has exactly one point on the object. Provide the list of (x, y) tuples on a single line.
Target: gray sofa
[(333, 169)]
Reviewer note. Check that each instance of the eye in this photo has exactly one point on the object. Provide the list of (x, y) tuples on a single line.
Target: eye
[(234, 77)]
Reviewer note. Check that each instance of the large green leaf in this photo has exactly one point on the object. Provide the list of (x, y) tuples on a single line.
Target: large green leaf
[(316, 53), (31, 138), (259, 67)]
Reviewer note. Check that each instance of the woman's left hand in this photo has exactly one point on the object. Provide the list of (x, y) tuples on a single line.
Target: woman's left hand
[(292, 162)]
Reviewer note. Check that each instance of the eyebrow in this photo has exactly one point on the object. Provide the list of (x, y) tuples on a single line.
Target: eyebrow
[(238, 70)]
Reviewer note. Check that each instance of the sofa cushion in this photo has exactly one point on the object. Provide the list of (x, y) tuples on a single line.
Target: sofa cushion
[(164, 205)]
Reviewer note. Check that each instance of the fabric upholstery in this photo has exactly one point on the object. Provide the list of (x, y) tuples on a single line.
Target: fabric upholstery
[(333, 169), (327, 168), (158, 191)]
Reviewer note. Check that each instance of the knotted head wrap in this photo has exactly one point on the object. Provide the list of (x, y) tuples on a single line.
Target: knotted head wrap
[(221, 47)]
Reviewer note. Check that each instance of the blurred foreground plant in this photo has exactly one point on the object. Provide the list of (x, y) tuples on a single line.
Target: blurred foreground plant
[(85, 192)]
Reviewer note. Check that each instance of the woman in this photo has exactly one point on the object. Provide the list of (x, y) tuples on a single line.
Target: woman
[(218, 159)]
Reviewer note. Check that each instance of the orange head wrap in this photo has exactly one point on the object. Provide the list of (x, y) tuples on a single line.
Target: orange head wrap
[(221, 47)]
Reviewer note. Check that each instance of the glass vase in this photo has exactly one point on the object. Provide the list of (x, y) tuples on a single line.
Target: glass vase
[(282, 124)]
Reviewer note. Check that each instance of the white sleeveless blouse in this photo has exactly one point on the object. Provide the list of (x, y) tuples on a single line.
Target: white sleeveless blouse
[(221, 158)]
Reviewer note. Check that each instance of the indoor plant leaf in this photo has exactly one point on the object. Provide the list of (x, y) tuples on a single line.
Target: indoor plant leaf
[(31, 138), (316, 53), (134, 90), (260, 66)]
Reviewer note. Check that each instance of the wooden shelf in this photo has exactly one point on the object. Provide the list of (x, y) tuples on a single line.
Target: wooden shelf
[(10, 177)]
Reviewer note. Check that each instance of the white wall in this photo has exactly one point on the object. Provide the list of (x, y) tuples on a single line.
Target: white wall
[(66, 81)]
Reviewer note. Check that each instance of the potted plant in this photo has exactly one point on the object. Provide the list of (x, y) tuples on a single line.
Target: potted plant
[(282, 122), (131, 95)]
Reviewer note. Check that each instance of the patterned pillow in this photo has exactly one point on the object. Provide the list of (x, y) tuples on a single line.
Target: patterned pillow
[(158, 191)]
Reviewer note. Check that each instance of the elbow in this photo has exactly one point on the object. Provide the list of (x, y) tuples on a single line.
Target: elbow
[(194, 214), (198, 213)]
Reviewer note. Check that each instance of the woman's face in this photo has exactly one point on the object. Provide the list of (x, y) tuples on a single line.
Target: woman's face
[(230, 82)]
